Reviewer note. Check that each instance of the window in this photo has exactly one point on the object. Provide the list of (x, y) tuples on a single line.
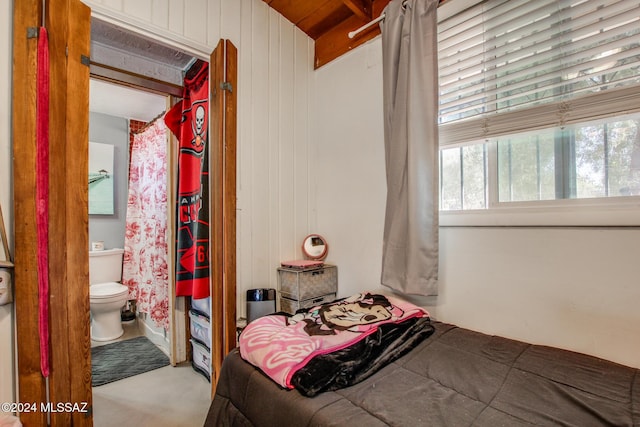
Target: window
[(463, 176), (590, 161), (540, 104)]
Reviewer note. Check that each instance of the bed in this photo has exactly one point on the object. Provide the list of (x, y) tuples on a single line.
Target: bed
[(455, 377)]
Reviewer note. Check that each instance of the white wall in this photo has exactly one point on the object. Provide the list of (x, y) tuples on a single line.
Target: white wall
[(275, 66), (348, 176), (6, 312), (575, 288), (571, 288)]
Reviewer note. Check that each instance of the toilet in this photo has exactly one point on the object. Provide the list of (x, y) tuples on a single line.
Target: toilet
[(106, 295)]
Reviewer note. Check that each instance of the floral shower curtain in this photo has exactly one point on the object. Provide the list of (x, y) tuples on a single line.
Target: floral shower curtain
[(145, 269)]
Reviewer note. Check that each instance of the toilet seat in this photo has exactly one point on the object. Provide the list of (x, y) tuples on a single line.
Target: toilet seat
[(107, 290)]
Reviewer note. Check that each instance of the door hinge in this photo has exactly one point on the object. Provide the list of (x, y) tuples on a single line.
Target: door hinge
[(226, 86), (32, 32), (85, 60)]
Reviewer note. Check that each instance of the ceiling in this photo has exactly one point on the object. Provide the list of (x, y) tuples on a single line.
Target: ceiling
[(131, 50), (121, 55), (328, 23), (122, 101), (118, 54), (137, 61)]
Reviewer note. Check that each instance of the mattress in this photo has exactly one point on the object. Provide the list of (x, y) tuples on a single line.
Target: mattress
[(456, 377)]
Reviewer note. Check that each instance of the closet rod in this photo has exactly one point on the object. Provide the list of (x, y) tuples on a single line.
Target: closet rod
[(357, 31), (150, 123)]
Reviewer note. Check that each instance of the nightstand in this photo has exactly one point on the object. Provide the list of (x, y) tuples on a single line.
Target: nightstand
[(300, 288)]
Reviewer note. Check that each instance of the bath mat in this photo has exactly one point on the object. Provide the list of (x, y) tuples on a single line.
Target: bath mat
[(123, 359)]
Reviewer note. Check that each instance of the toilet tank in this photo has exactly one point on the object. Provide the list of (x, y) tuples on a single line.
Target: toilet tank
[(105, 266)]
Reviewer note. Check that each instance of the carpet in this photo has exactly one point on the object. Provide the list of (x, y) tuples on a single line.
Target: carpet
[(123, 359)]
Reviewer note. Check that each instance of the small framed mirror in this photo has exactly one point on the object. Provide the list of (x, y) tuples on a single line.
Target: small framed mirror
[(315, 247)]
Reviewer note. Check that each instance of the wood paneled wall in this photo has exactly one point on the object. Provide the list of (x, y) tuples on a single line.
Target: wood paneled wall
[(275, 68)]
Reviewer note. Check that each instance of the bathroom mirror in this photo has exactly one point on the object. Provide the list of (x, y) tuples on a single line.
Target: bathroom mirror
[(315, 247)]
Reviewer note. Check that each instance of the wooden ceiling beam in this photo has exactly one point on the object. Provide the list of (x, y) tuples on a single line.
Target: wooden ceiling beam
[(329, 22), (325, 17), (361, 8), (336, 41), (297, 10), (378, 6)]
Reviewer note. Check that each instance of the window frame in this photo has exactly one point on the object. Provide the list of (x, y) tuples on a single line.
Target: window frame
[(612, 211), (597, 211)]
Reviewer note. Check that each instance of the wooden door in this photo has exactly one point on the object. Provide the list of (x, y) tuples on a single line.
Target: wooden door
[(222, 172), (68, 25)]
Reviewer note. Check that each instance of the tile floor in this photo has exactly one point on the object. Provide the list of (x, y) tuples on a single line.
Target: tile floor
[(170, 396), (131, 330)]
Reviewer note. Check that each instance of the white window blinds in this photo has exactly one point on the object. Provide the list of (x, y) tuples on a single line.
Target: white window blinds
[(512, 66)]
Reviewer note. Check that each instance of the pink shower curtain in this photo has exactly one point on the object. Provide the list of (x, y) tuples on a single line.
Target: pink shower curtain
[(145, 269)]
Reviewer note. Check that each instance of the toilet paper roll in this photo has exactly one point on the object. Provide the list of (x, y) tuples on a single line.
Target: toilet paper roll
[(5, 287)]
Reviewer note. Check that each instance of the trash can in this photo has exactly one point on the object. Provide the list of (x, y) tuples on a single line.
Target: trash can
[(128, 312), (260, 302)]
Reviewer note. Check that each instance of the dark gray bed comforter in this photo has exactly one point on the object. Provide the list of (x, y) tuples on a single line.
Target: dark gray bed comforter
[(456, 377)]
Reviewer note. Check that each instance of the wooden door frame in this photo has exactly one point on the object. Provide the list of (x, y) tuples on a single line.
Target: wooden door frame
[(223, 80), (68, 25)]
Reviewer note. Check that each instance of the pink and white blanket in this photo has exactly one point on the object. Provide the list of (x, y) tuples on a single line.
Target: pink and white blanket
[(280, 345)]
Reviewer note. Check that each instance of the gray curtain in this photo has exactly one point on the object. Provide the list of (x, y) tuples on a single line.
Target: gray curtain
[(410, 84)]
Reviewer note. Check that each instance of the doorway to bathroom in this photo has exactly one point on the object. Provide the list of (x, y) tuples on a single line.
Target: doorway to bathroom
[(69, 380), (134, 81), (162, 79), (120, 119)]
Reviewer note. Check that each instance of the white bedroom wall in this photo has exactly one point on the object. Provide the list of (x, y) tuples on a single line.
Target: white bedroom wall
[(275, 65), (575, 288), (348, 175)]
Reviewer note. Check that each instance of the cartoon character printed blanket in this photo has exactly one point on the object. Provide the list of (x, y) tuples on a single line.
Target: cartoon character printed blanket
[(334, 345)]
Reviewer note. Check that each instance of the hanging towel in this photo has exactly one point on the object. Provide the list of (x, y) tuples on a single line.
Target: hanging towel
[(42, 196), (188, 120)]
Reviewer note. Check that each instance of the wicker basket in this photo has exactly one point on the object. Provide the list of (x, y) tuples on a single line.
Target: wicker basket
[(308, 284), (292, 305)]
